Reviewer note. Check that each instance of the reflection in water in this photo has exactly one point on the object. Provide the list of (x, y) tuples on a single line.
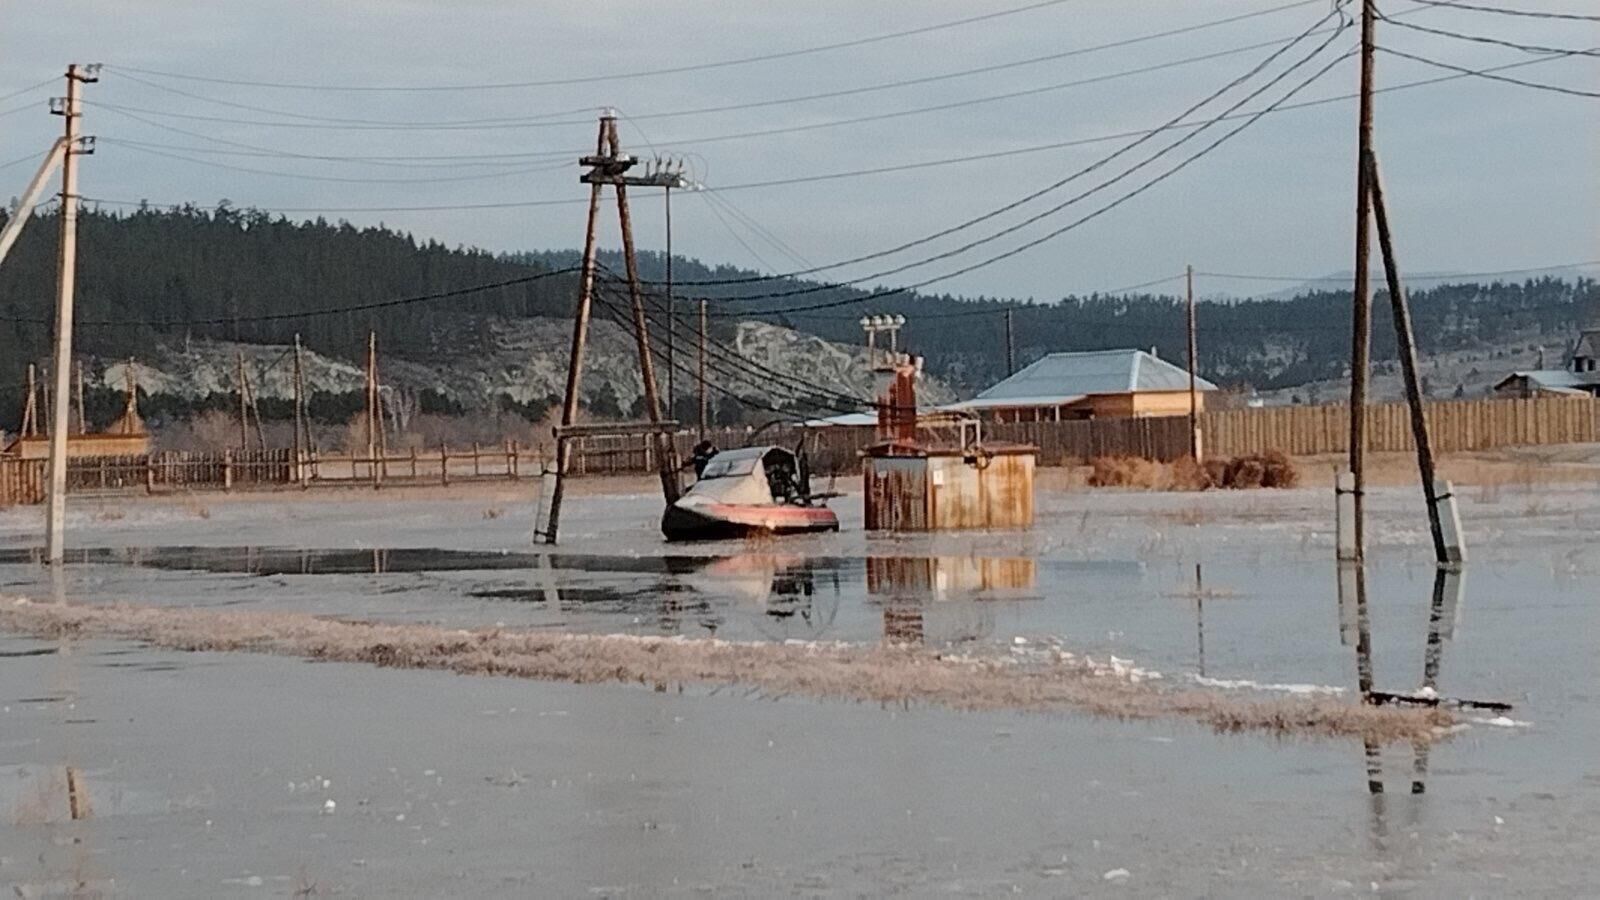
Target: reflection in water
[(949, 590), (1354, 618)]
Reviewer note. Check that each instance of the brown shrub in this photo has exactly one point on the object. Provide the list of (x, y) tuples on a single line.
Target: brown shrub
[(1279, 471), (1188, 475), (1127, 471), (1245, 472)]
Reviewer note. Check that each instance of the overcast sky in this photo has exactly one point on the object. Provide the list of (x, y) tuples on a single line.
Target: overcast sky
[(1482, 176)]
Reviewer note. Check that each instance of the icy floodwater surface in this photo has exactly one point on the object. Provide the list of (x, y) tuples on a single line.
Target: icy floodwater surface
[(232, 774)]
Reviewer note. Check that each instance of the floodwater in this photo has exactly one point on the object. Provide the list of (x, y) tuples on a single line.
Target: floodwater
[(209, 774)]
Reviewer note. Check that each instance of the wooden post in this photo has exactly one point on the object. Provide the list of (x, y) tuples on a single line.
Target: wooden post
[(476, 455), (512, 460), (227, 470), (700, 365), (149, 474), (668, 469), (244, 424), (1408, 360), (444, 464), (546, 529), (299, 414), (413, 463), (1011, 347), (1361, 331), (1194, 399)]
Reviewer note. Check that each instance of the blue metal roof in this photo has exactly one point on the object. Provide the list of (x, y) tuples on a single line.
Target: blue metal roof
[(1065, 377)]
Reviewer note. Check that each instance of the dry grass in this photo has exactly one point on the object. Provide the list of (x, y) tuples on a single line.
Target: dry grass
[(876, 673), (1264, 470)]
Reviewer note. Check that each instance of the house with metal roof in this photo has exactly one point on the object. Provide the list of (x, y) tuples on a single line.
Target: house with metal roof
[(1580, 377), (1090, 385)]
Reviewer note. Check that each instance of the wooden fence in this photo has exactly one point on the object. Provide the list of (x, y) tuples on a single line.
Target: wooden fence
[(1456, 425), (1453, 425)]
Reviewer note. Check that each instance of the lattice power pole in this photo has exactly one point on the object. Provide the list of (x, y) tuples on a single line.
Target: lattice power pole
[(609, 166)]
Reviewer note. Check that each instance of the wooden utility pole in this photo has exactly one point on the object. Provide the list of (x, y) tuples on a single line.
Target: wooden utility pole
[(1408, 358), (580, 334), (609, 165), (641, 328), (374, 414), (700, 365), (244, 404), (299, 413), (672, 318), (69, 109), (1011, 348), (1194, 397), (1361, 320)]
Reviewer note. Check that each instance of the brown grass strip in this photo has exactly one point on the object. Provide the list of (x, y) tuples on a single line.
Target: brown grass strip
[(866, 672)]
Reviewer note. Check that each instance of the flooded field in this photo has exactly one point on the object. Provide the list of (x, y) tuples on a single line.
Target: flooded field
[(135, 770)]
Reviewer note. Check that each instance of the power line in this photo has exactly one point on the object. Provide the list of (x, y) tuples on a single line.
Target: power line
[(1071, 225), (804, 179), (543, 120), (1344, 278), (1485, 39), (508, 124), (947, 254), (342, 179), (305, 314), (589, 79), (1500, 10), (20, 160), (1033, 195), (1483, 73), (29, 89)]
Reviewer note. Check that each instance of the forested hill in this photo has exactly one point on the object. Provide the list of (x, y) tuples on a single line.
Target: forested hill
[(214, 273)]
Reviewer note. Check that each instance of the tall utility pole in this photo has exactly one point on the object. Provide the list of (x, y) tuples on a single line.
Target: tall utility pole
[(1361, 332), (609, 165), (700, 365), (244, 404), (299, 413), (672, 320), (1194, 397), (69, 109), (1011, 348)]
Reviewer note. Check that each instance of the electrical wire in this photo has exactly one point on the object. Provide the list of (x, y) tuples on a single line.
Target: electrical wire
[(589, 79), (1036, 217), (1343, 278), (1506, 79), (392, 303), (1034, 242), (341, 179), (22, 159), (553, 119), (1058, 184), (717, 365), (27, 90), (497, 125), (804, 179), (1500, 10), (1485, 39)]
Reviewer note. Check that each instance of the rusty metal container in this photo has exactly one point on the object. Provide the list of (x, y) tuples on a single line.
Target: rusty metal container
[(913, 488)]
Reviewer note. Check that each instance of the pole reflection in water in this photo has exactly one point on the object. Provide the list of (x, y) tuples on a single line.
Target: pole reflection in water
[(1355, 627)]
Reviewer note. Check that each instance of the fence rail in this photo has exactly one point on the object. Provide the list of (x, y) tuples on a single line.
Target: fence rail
[(1455, 425)]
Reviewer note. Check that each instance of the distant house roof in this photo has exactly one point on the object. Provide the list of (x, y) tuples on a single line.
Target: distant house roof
[(1558, 381), (1061, 378), (1588, 344)]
